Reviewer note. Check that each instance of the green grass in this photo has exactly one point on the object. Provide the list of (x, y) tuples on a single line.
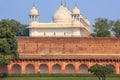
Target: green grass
[(57, 78)]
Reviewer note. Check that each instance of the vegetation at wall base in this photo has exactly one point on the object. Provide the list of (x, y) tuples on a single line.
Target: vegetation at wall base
[(3, 75), (57, 77)]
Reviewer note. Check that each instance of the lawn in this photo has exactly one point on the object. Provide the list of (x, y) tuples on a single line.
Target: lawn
[(57, 78)]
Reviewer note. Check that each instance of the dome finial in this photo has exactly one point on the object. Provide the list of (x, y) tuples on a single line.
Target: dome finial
[(76, 3), (65, 4), (61, 2), (33, 4)]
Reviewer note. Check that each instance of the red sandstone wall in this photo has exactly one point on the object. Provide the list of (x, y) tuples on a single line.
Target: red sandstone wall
[(69, 45)]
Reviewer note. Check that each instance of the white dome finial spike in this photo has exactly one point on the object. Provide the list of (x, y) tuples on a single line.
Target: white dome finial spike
[(76, 3), (65, 4), (61, 2), (33, 4)]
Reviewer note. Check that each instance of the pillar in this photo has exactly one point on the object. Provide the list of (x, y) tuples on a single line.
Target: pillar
[(9, 69), (36, 68), (117, 68), (76, 68), (63, 68), (49, 68), (23, 68)]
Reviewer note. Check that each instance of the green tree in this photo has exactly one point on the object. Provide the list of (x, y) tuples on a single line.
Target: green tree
[(116, 28), (101, 71), (23, 30), (102, 27), (4, 60), (8, 43)]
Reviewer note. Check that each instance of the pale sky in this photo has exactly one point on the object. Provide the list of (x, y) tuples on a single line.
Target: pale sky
[(91, 9)]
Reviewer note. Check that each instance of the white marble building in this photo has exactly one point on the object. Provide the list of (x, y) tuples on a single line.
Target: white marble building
[(65, 23)]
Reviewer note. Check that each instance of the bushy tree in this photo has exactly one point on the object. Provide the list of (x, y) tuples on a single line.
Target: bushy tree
[(101, 71), (8, 43), (23, 30), (4, 60), (102, 27), (116, 28)]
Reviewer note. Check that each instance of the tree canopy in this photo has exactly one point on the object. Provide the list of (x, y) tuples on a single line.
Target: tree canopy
[(101, 71), (4, 60), (8, 44), (22, 30), (102, 27), (116, 28)]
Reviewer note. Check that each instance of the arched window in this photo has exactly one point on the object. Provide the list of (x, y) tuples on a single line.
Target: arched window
[(44, 34), (70, 68), (83, 69), (29, 69), (43, 68), (64, 33), (16, 69), (56, 68), (54, 33)]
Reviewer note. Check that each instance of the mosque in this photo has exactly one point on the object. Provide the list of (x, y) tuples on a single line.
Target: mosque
[(63, 46), (65, 23)]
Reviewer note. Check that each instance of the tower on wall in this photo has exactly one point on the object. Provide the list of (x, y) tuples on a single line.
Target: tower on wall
[(65, 23)]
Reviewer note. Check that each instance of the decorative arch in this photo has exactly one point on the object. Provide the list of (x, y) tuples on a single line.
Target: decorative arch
[(70, 68), (56, 68), (83, 68), (3, 68), (43, 68), (30, 69), (16, 69)]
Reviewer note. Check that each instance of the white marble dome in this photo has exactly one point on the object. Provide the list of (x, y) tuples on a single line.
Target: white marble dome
[(62, 15), (33, 12), (76, 10)]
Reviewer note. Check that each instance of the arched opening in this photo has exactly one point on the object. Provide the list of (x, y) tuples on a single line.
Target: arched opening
[(64, 34), (16, 69), (56, 68), (70, 69), (43, 68), (83, 69), (44, 34), (54, 34), (3, 68), (29, 69)]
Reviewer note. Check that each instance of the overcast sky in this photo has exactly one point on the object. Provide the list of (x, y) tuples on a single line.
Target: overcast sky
[(91, 9)]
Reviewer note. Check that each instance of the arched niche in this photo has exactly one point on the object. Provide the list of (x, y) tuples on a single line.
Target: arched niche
[(16, 69), (30, 69), (56, 68), (43, 68), (83, 69), (70, 69)]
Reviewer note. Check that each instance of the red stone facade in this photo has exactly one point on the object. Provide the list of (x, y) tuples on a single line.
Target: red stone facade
[(60, 54)]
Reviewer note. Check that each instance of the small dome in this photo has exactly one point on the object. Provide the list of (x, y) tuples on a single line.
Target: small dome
[(34, 11), (62, 15), (76, 10)]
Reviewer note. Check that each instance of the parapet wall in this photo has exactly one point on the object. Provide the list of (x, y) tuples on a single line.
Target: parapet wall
[(68, 45)]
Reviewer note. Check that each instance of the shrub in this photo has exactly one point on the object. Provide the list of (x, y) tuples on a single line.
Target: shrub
[(3, 75)]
